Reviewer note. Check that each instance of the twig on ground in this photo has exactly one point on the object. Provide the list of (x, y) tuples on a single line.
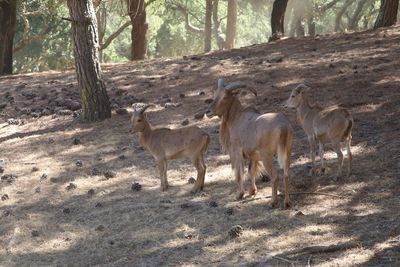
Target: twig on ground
[(325, 249), (283, 259), (315, 193), (309, 261), (310, 193)]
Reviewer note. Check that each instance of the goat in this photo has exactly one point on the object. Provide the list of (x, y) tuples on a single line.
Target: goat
[(167, 144), (247, 134), (327, 125)]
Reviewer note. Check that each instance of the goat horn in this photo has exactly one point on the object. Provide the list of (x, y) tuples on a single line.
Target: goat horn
[(143, 109), (235, 85), (239, 85), (302, 86), (221, 83)]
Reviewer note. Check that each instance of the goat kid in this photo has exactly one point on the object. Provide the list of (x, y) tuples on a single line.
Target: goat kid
[(247, 134), (166, 144), (325, 125)]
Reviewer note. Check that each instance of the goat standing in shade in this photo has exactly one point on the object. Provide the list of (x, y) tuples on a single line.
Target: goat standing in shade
[(247, 134), (325, 125), (166, 144)]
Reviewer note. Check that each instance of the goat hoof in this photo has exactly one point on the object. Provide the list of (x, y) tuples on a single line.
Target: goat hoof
[(240, 196), (253, 191), (164, 188), (274, 204), (287, 205), (196, 190)]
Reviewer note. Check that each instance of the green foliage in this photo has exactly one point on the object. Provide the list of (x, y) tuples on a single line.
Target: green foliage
[(52, 49), (167, 34)]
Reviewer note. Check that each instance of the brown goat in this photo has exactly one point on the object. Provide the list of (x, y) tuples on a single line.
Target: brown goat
[(247, 134), (166, 144), (327, 125)]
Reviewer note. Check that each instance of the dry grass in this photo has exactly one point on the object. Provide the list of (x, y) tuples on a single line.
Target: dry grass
[(151, 228)]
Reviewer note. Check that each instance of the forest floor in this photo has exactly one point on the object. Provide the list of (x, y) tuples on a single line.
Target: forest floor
[(58, 207)]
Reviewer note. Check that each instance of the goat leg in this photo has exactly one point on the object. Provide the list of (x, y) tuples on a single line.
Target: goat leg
[(336, 146), (350, 156), (252, 177), (311, 140), (162, 166)]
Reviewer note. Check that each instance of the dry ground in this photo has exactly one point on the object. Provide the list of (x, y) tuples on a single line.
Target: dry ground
[(44, 224)]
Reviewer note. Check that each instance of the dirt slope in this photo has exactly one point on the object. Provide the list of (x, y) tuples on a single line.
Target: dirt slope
[(42, 223)]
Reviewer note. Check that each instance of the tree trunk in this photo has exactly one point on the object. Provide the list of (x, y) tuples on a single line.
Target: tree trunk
[(299, 28), (8, 19), (101, 16), (387, 14), (207, 27), (339, 15), (95, 103), (231, 24), (355, 19), (277, 19), (137, 13), (216, 23), (311, 26)]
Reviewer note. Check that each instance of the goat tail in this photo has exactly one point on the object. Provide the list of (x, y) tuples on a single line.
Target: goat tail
[(347, 132), (285, 148)]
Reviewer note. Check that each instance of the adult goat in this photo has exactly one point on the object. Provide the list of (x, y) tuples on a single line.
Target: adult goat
[(245, 133)]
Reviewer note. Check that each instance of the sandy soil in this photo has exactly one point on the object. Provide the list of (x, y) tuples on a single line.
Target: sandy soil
[(103, 222)]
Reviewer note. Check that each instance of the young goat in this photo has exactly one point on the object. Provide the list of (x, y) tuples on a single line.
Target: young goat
[(247, 134), (166, 144), (327, 125)]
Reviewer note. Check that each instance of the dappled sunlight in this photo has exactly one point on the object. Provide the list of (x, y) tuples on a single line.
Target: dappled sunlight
[(107, 219), (329, 154)]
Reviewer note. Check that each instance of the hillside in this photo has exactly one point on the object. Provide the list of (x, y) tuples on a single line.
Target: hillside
[(44, 220)]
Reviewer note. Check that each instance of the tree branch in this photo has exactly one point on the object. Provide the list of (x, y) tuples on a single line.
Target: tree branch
[(114, 35), (188, 26), (149, 2), (68, 19), (27, 40), (328, 6)]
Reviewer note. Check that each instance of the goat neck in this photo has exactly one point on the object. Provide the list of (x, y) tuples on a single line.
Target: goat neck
[(303, 109), (232, 111), (145, 134)]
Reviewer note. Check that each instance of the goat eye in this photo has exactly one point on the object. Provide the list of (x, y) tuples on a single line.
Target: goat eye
[(139, 120), (292, 96)]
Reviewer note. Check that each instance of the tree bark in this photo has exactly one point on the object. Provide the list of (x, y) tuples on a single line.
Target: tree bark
[(277, 19), (207, 27), (8, 19), (387, 14), (137, 13), (231, 24), (94, 98)]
